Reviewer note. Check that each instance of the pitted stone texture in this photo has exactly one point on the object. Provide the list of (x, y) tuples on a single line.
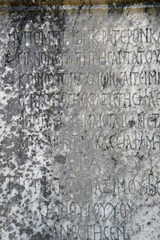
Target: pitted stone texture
[(79, 112)]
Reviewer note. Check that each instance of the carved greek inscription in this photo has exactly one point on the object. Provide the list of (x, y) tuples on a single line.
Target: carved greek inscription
[(96, 37), (44, 80), (137, 35), (140, 97), (94, 232), (98, 211), (90, 58), (150, 186)]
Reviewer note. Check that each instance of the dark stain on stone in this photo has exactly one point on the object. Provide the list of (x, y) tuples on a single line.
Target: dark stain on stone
[(118, 80), (47, 237), (44, 188), (131, 23), (13, 108), (131, 123), (37, 236), (115, 161), (13, 185), (146, 10), (13, 129), (57, 126), (2, 178), (61, 187), (11, 236), (60, 159), (12, 166), (115, 10), (140, 157), (57, 202), (7, 91), (64, 173), (28, 231), (104, 82)]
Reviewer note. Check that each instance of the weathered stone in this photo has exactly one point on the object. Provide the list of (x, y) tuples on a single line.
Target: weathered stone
[(80, 120)]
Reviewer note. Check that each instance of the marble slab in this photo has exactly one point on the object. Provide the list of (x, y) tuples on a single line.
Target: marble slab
[(79, 121)]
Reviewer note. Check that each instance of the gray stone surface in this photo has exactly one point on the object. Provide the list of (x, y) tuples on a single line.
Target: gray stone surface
[(80, 123)]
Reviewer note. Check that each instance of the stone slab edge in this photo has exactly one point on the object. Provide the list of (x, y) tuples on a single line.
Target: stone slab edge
[(72, 2)]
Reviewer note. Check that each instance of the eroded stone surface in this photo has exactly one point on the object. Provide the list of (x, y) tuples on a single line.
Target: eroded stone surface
[(79, 112)]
